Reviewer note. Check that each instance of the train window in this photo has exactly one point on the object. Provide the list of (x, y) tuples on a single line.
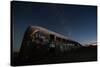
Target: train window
[(61, 47), (36, 35), (68, 46), (52, 38), (64, 46), (41, 37), (52, 44)]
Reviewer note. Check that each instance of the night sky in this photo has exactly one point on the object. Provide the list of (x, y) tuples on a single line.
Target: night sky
[(76, 22)]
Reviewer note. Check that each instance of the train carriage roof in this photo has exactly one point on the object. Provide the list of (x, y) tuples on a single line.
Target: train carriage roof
[(50, 32)]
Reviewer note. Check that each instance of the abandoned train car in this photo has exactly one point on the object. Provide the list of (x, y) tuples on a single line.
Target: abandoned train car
[(40, 42)]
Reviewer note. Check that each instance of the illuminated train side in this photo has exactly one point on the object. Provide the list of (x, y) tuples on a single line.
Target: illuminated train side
[(39, 42)]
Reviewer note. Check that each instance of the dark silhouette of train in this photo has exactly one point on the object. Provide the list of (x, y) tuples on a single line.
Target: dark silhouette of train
[(39, 42)]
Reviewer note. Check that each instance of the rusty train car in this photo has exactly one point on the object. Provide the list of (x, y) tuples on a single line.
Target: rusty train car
[(40, 42)]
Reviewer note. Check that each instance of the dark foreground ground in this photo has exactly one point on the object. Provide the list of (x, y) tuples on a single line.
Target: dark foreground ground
[(83, 54)]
